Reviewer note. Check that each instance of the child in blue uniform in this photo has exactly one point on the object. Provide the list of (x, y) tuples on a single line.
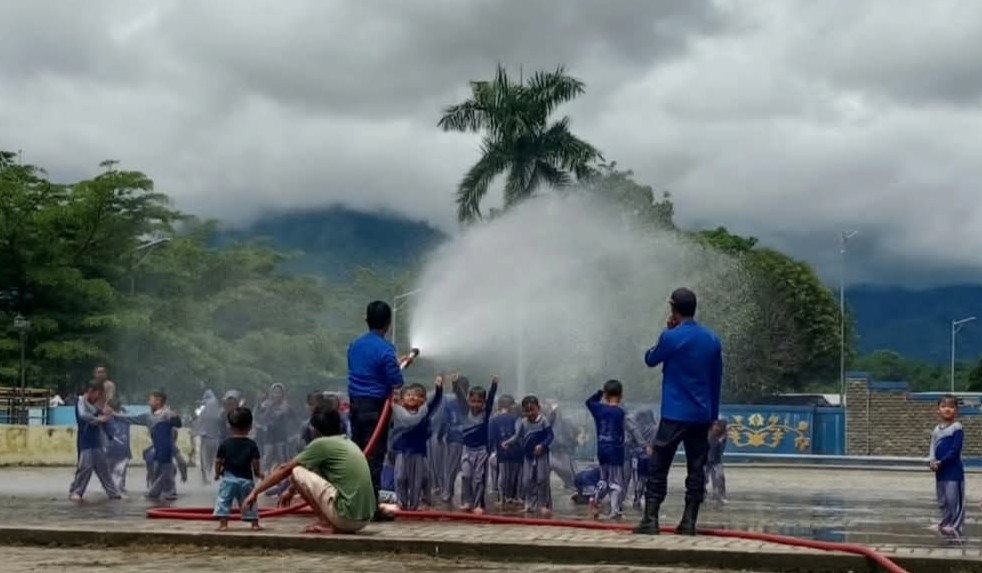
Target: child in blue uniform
[(609, 417), (586, 485), (118, 451), (409, 435), (476, 407), (453, 437), (715, 477), (237, 464), (91, 455), (508, 460), (533, 436), (946, 463), (640, 451), (162, 423)]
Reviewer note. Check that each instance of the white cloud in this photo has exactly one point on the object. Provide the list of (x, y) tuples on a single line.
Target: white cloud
[(786, 120)]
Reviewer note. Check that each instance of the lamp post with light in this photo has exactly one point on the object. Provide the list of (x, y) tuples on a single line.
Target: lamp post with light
[(956, 325)]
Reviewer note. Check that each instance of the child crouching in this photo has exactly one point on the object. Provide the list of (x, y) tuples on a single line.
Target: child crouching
[(236, 465)]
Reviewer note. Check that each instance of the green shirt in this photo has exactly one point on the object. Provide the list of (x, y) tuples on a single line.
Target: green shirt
[(339, 461)]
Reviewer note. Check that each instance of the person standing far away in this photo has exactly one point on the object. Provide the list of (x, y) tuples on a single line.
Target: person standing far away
[(101, 375), (691, 356), (373, 376)]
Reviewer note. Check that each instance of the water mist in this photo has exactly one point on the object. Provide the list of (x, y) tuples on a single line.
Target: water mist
[(562, 293)]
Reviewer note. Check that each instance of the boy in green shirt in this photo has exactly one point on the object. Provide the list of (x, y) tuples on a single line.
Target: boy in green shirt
[(331, 474)]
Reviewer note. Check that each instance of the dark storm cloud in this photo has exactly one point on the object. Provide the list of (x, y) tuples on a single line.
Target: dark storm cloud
[(389, 57), (789, 120)]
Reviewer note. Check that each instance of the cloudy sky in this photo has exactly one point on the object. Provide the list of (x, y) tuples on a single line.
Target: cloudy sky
[(790, 120)]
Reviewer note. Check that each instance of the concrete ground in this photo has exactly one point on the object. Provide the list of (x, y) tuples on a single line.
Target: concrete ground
[(883, 508), (887, 509), (38, 560)]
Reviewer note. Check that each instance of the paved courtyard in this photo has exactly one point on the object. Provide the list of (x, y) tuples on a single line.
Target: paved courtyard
[(883, 508), (889, 510), (37, 560)]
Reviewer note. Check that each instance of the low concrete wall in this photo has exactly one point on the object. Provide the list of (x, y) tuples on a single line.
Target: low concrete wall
[(55, 445)]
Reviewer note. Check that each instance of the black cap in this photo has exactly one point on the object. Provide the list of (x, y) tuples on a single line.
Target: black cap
[(683, 301)]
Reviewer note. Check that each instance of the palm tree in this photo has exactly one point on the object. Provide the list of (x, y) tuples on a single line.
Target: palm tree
[(518, 137)]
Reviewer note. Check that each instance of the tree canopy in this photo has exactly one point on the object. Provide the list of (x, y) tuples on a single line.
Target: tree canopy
[(107, 272), (518, 137)]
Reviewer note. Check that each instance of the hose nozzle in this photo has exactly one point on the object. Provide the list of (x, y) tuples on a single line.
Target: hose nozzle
[(407, 360)]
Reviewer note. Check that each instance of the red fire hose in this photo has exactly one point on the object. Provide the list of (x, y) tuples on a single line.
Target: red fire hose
[(205, 514)]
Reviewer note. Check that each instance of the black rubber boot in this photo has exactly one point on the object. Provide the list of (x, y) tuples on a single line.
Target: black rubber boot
[(689, 517), (649, 520)]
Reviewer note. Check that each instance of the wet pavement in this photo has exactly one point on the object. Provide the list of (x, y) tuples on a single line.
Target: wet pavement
[(890, 509), (38, 560)]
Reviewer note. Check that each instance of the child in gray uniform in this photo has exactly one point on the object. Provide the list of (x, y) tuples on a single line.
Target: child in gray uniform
[(162, 423), (533, 436), (949, 472), (715, 477), (408, 438), (474, 419)]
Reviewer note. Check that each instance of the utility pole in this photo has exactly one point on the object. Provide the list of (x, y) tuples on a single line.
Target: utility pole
[(395, 313), (23, 326), (956, 325), (843, 240)]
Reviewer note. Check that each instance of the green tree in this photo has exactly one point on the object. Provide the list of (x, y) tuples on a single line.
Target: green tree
[(518, 137), (793, 341), (636, 200), (190, 316), (63, 248), (974, 379), (224, 318)]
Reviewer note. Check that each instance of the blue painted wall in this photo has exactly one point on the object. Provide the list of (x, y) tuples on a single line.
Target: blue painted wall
[(769, 429)]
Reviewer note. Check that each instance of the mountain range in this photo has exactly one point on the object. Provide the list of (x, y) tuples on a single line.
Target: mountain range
[(333, 241)]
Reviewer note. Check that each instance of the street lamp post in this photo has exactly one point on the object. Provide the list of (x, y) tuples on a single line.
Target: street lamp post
[(22, 326), (843, 240), (956, 325), (395, 312), (146, 249)]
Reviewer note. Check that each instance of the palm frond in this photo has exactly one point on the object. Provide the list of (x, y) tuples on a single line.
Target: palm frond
[(468, 116), (557, 178), (474, 186), (521, 182), (548, 90), (568, 151)]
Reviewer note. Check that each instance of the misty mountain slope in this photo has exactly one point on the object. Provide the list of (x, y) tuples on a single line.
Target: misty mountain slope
[(917, 324), (334, 241)]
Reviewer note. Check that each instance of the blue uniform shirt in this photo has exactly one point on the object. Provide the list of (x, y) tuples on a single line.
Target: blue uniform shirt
[(450, 424), (474, 429), (119, 445), (946, 449), (530, 434), (89, 430), (410, 431), (692, 375), (500, 429), (610, 430), (373, 368)]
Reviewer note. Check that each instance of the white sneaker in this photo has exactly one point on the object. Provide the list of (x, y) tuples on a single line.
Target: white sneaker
[(75, 497)]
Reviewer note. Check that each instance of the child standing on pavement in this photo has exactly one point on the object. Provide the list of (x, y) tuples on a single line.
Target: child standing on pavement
[(714, 461), (533, 436), (237, 465), (946, 463)]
